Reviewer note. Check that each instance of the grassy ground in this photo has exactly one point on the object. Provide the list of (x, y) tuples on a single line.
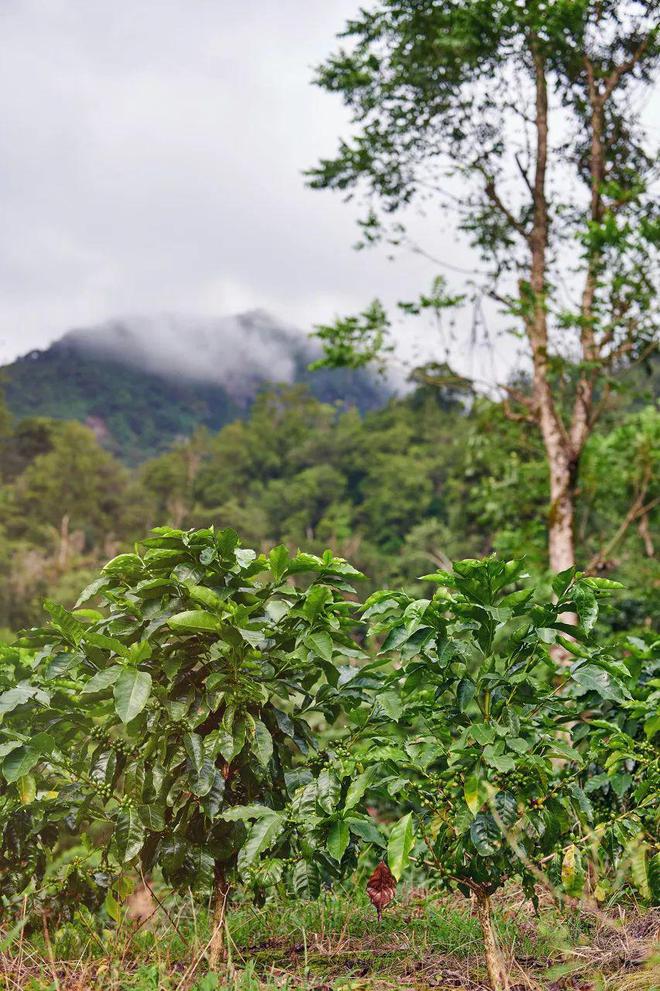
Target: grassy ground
[(336, 944)]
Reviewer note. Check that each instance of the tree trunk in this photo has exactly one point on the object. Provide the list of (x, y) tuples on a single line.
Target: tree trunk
[(497, 974), (561, 542), (561, 462), (217, 948)]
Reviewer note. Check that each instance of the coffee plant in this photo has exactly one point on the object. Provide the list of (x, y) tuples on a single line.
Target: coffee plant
[(212, 717), (621, 770), (470, 730), (169, 727)]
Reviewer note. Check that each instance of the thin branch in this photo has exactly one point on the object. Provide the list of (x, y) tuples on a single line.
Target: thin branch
[(637, 510), (523, 173), (494, 197), (621, 70), (511, 414)]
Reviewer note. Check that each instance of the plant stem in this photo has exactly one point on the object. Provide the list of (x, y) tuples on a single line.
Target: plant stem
[(497, 974), (217, 949)]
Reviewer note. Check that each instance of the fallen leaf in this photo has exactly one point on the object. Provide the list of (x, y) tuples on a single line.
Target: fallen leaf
[(381, 888)]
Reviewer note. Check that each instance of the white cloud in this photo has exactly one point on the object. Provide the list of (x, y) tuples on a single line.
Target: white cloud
[(150, 161)]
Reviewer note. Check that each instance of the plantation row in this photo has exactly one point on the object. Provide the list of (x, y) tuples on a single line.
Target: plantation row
[(228, 718)]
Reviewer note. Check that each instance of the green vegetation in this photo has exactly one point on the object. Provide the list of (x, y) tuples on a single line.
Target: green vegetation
[(213, 755), (439, 474), (533, 107), (136, 413), (212, 724), (426, 940)]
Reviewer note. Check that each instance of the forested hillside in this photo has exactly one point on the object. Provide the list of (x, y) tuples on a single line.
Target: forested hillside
[(141, 384), (437, 475)]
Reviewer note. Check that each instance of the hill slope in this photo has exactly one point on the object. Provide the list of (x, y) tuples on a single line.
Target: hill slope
[(140, 383)]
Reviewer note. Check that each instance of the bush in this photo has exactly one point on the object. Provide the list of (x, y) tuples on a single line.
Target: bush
[(170, 726), (470, 728)]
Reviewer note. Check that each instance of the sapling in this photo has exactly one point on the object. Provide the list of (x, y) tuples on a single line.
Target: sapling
[(171, 718), (467, 728)]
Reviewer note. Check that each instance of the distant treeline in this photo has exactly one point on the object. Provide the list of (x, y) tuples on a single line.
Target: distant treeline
[(439, 474)]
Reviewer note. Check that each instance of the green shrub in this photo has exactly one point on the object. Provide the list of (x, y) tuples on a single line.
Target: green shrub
[(470, 728), (169, 727)]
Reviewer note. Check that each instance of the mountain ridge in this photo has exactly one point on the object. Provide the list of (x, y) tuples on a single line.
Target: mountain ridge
[(142, 382)]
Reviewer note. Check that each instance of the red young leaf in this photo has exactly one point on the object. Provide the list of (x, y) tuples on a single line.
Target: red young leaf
[(381, 888)]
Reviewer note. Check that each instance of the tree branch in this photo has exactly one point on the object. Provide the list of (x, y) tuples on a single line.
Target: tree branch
[(523, 173), (494, 197), (638, 510), (621, 70)]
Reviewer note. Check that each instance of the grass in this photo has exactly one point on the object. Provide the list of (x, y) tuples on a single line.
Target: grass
[(335, 944)]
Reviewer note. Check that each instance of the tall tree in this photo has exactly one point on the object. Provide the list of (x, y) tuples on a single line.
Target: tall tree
[(536, 107)]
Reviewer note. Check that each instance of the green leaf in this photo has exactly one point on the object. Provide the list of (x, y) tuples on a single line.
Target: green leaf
[(316, 598), (596, 679), (131, 693), (501, 762), (112, 907), (20, 762), (27, 789), (485, 834), (153, 817), (91, 590), (518, 744), (558, 748), (506, 809), (401, 842), (465, 692), (204, 596), (203, 783), (129, 565), (583, 803), (482, 733), (255, 638), (262, 835), (637, 851), (572, 872), (241, 813), (652, 726), (440, 578), (14, 697), (6, 748), (262, 745), (603, 584), (106, 643), (586, 605), (328, 790), (194, 747), (279, 560), (212, 801), (390, 704), (366, 829), (358, 787), (562, 580), (475, 792), (306, 880), (103, 679), (65, 621), (195, 619), (653, 878), (320, 644), (129, 834), (338, 838)]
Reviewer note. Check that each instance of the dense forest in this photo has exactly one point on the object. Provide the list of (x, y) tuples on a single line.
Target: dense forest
[(139, 394), (438, 474)]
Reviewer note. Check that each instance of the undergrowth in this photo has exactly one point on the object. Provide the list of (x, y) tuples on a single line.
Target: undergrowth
[(335, 944)]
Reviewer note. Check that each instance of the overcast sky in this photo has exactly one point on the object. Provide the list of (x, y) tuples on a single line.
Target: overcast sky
[(150, 160)]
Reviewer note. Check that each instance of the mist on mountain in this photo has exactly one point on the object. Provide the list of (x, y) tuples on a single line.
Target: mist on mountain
[(143, 382), (234, 351)]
